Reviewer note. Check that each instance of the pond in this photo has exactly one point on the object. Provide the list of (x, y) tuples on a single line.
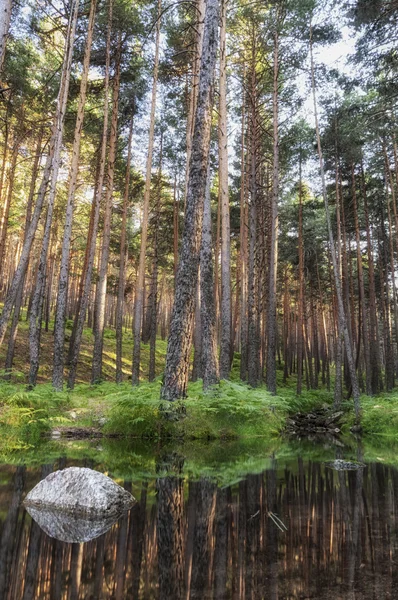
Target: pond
[(210, 522)]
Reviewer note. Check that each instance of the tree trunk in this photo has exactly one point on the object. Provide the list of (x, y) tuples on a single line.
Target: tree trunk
[(19, 298), (226, 317), (96, 372), (139, 292), (374, 338), (342, 316), (362, 301), (243, 247), (300, 322), (74, 349), (5, 16), (122, 268), (59, 326), (210, 371), (37, 303), (253, 346), (180, 337), (273, 259), (155, 267), (7, 203)]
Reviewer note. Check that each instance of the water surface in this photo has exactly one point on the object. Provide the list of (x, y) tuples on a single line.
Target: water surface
[(291, 529)]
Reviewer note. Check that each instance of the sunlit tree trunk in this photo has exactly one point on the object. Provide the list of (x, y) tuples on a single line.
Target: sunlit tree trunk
[(37, 303), (5, 17), (96, 372), (18, 301), (153, 308), (273, 259), (342, 316), (180, 337), (74, 349), (139, 291), (362, 300), (210, 372), (226, 306), (122, 265), (59, 327), (300, 321)]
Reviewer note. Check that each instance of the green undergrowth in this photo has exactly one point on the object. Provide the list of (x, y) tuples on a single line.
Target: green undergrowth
[(380, 416), (230, 411)]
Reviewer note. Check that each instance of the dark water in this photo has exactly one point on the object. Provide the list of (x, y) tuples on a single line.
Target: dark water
[(296, 530)]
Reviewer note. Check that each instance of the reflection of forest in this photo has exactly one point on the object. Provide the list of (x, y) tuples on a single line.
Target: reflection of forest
[(196, 540)]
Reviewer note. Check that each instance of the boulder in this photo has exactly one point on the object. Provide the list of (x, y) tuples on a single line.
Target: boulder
[(77, 504)]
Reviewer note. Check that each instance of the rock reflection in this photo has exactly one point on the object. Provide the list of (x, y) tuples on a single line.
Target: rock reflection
[(185, 540), (72, 528)]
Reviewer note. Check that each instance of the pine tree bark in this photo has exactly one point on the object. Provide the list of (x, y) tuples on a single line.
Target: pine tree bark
[(38, 296), (253, 345), (59, 326), (342, 316), (139, 291), (180, 337), (362, 300), (96, 371), (7, 202), (74, 349), (5, 17), (155, 268), (226, 306), (300, 321), (374, 338), (243, 247), (18, 301), (122, 266), (210, 369), (273, 258), (338, 383)]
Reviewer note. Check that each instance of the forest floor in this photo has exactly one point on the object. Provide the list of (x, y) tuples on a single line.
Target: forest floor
[(231, 411)]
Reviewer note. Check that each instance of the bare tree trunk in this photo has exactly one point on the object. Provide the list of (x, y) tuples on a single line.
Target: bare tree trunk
[(5, 16), (362, 301), (59, 326), (180, 337), (18, 300), (342, 316), (75, 348), (139, 292), (122, 267), (96, 372), (7, 202), (37, 303), (226, 307), (154, 283), (243, 247), (338, 383), (300, 321), (374, 341), (273, 259), (253, 366), (210, 371)]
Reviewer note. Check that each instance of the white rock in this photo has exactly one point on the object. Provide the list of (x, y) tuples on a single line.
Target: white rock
[(80, 491)]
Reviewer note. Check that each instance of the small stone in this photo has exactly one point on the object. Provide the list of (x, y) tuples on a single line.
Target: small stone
[(55, 434), (102, 421)]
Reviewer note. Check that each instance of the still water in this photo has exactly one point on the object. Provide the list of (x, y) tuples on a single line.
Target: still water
[(294, 530)]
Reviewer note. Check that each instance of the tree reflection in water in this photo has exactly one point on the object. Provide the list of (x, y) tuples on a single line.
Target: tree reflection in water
[(193, 539)]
